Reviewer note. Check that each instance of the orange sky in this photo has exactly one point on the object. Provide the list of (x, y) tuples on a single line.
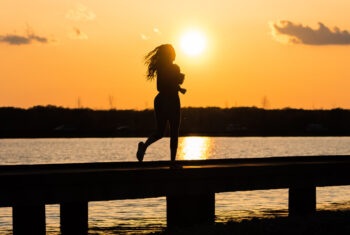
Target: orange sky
[(94, 49)]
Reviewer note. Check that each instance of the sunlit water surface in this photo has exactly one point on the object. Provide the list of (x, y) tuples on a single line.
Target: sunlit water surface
[(146, 215)]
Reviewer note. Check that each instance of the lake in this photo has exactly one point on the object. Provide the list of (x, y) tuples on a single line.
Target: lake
[(147, 215)]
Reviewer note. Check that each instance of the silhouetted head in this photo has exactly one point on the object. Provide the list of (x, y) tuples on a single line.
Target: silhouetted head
[(158, 57)]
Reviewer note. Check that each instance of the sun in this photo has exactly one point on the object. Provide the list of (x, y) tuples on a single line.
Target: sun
[(193, 43)]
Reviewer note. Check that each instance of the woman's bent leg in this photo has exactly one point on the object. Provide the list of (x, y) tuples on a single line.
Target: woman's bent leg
[(174, 134), (161, 123), (155, 136), (174, 138)]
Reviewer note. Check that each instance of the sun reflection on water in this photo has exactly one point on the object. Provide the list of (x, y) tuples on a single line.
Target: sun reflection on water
[(194, 148)]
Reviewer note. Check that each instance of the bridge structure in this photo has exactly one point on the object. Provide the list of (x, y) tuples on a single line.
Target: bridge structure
[(189, 187)]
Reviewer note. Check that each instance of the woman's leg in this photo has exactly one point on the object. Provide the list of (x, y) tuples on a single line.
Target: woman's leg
[(158, 134), (161, 124), (174, 137), (160, 121), (174, 131)]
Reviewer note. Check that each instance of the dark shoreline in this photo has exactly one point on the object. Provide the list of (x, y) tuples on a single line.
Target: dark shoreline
[(57, 122)]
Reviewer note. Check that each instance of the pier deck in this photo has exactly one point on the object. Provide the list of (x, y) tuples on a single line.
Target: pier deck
[(190, 189)]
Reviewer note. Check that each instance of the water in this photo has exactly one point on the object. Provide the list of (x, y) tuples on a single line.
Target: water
[(145, 215)]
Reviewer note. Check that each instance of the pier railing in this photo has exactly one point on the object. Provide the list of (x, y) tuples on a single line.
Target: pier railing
[(189, 188)]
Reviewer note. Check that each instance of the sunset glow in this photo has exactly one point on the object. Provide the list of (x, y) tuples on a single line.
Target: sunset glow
[(193, 43), (233, 53), (194, 148)]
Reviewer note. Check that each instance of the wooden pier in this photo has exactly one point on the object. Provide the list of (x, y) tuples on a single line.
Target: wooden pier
[(189, 189)]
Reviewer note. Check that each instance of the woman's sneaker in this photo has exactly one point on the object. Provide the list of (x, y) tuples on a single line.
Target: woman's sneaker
[(141, 151)]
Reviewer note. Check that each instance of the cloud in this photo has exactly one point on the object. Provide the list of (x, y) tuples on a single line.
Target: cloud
[(156, 30), (38, 38), (144, 37), (13, 39), (81, 13), (78, 34), (287, 31)]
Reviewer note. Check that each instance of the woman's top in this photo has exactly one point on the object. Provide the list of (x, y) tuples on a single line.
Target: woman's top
[(168, 79)]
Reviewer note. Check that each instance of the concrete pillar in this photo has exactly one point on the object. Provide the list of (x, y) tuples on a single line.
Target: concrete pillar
[(302, 201), (187, 210), (74, 218), (29, 219)]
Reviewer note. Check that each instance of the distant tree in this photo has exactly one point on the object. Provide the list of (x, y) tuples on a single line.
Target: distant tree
[(79, 105), (265, 103), (111, 102)]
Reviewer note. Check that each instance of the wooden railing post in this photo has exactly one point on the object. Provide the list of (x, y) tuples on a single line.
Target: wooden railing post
[(29, 219), (190, 209), (74, 218), (302, 200)]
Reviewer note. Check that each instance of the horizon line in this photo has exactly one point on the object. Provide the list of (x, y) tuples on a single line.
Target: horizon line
[(186, 107)]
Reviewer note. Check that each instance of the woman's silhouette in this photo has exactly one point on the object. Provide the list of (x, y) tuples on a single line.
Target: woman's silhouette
[(167, 102)]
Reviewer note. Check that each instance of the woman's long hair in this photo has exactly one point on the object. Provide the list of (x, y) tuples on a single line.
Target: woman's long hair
[(158, 57)]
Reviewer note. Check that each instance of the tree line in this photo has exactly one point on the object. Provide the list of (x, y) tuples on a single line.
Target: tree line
[(52, 121)]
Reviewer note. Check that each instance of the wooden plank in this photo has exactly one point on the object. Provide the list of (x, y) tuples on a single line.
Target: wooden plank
[(92, 182)]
